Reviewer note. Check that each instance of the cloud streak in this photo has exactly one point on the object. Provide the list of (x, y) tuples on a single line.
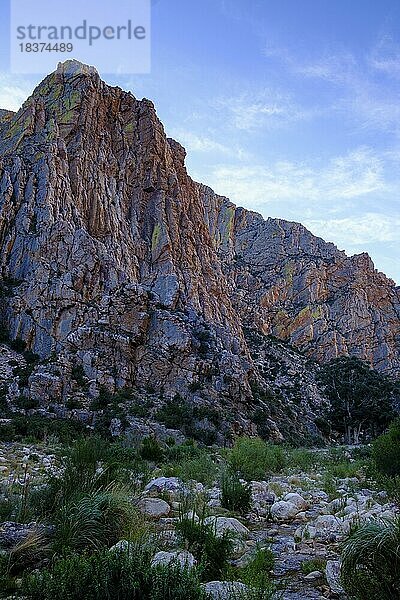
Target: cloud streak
[(359, 94), (358, 230), (348, 177), (194, 142), (13, 93), (265, 108)]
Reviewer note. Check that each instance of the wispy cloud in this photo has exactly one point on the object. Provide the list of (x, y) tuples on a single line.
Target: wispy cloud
[(261, 109), (357, 230), (359, 95), (385, 56), (194, 142), (12, 92), (357, 174)]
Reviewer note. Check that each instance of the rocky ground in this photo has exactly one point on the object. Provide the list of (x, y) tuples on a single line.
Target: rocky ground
[(299, 516)]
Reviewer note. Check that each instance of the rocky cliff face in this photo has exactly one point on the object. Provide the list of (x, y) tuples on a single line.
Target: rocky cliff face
[(113, 258), (301, 289)]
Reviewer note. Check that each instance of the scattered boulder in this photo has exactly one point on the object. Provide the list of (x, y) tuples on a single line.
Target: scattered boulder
[(231, 524), (154, 507), (329, 528), (224, 590), (121, 546), (297, 500), (332, 573), (284, 511), (171, 485), (182, 557), (314, 576)]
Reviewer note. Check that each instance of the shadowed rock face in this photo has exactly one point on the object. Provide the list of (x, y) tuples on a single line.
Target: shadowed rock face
[(114, 258), (299, 288)]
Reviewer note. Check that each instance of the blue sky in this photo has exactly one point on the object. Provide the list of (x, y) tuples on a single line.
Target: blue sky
[(288, 107)]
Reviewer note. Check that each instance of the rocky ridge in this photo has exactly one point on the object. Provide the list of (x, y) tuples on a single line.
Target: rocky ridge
[(114, 260)]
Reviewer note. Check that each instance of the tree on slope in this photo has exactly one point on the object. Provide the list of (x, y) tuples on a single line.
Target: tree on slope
[(361, 398)]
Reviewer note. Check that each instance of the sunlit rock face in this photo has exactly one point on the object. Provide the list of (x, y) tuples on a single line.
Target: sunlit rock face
[(113, 258)]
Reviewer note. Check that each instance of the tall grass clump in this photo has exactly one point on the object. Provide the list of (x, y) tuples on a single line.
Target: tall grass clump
[(371, 561), (89, 502), (97, 519), (235, 495), (254, 459), (211, 551)]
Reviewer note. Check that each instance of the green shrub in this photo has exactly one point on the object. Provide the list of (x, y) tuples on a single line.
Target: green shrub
[(314, 564), (8, 584), (329, 485), (36, 428), (202, 469), (211, 551), (176, 413), (78, 375), (26, 403), (183, 452), (254, 459), (3, 399), (73, 403), (346, 469), (371, 561), (116, 575), (151, 450), (386, 451), (172, 583), (392, 487), (18, 345), (199, 422), (31, 358), (127, 458), (257, 573), (4, 333), (86, 452), (302, 459), (23, 373), (235, 495)]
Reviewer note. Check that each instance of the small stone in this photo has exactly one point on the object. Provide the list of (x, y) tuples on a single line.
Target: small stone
[(181, 557), (224, 590), (222, 524), (284, 511), (154, 507), (314, 575), (297, 500), (332, 573)]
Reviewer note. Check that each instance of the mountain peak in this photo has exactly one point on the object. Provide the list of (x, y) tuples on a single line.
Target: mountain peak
[(113, 258), (75, 67)]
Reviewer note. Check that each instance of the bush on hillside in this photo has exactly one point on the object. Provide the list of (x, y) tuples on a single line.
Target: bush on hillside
[(254, 459), (386, 451)]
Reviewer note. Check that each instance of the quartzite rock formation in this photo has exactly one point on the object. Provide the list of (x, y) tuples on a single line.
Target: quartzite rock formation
[(113, 258)]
